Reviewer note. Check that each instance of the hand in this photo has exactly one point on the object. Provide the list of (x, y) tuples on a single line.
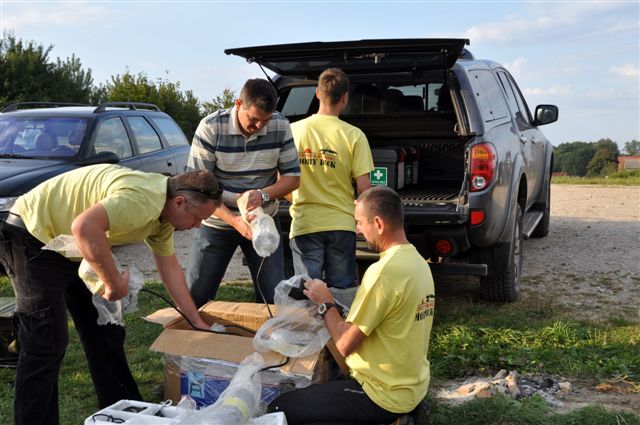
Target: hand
[(317, 291), (254, 199), (242, 227), (200, 324), (119, 290)]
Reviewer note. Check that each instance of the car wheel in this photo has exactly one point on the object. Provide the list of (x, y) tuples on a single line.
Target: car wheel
[(542, 229), (504, 262)]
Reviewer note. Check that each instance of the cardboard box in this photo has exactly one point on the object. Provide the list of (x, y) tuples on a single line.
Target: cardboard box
[(202, 364)]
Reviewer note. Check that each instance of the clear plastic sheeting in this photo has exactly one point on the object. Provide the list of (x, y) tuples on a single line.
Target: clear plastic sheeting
[(239, 402), (108, 311), (265, 236), (297, 330)]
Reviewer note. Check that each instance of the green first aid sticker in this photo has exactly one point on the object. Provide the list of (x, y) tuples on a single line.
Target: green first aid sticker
[(378, 176)]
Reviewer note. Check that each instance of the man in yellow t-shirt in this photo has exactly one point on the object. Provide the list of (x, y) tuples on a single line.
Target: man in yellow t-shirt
[(101, 206), (385, 337), (333, 155)]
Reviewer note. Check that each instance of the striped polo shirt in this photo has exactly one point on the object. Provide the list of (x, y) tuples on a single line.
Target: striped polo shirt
[(242, 163)]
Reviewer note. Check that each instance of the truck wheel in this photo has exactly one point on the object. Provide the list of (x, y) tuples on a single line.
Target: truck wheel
[(504, 262), (542, 229)]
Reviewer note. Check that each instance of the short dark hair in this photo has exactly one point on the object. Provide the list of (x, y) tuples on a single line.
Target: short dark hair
[(385, 203), (333, 83), (260, 93), (197, 186)]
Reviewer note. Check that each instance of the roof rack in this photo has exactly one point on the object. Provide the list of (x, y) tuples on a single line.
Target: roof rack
[(130, 105), (28, 105)]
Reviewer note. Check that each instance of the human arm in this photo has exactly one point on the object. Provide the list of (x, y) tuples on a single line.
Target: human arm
[(173, 279), (283, 186), (363, 183), (89, 232), (347, 336)]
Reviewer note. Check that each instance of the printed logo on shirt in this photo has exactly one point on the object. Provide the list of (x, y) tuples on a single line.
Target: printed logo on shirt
[(426, 307), (324, 158)]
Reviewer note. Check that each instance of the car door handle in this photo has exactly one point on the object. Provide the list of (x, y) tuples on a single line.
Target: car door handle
[(534, 140), (523, 139)]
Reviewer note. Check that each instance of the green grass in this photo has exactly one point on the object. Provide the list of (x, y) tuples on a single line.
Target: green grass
[(622, 178), (468, 338)]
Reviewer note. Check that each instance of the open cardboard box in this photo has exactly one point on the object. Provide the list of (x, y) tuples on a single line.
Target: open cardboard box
[(201, 364)]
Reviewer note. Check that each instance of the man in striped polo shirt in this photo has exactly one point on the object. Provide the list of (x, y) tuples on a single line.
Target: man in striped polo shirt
[(249, 148)]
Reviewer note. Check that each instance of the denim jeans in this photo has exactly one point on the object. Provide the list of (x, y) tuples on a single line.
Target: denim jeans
[(330, 256), (45, 285), (210, 254)]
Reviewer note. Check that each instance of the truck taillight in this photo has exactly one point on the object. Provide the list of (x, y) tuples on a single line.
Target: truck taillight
[(483, 166)]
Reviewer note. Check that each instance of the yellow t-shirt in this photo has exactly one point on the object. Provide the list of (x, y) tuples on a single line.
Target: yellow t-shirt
[(332, 153), (133, 201), (394, 308)]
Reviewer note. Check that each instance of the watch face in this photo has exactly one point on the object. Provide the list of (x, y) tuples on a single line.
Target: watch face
[(322, 309)]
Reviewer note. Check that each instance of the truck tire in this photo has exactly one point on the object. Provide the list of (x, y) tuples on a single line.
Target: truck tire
[(542, 229), (504, 262)]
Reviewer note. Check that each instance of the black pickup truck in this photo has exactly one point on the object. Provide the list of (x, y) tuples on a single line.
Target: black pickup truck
[(452, 134)]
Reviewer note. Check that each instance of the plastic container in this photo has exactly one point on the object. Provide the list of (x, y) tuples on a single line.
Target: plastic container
[(389, 168)]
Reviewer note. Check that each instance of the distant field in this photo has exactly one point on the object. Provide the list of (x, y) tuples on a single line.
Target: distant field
[(625, 178)]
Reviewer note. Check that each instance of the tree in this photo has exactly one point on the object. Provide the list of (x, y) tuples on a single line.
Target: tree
[(573, 158), (605, 160), (632, 148), (222, 101), (182, 107), (26, 74)]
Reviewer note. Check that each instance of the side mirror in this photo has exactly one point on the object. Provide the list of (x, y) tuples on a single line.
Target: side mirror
[(546, 114)]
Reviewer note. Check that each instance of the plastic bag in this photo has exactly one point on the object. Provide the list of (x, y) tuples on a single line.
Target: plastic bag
[(297, 330), (108, 311), (239, 402), (265, 236)]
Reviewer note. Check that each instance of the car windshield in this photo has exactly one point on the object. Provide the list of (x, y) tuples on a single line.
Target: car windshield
[(47, 137)]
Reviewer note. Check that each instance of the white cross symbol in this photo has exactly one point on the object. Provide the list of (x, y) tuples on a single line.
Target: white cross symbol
[(378, 174)]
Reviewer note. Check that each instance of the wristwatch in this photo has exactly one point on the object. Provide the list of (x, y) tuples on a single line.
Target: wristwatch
[(265, 196), (324, 307)]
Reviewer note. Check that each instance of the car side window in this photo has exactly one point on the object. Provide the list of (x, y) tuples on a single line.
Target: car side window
[(516, 102), (144, 134), (487, 92), (171, 131), (111, 136)]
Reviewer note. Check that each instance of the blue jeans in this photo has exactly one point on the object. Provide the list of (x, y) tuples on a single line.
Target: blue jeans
[(330, 256), (211, 252), (46, 285)]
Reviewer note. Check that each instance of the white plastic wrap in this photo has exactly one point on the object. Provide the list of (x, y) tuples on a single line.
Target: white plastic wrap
[(108, 311), (297, 330), (265, 236), (239, 402)]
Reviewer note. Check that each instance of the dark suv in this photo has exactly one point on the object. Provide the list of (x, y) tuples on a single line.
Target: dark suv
[(451, 134), (41, 140)]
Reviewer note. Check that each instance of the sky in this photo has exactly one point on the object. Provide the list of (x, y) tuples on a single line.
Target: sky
[(583, 56)]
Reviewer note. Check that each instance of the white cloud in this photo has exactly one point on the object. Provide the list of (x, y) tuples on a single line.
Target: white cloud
[(27, 16), (626, 70), (517, 67), (569, 20), (560, 90)]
